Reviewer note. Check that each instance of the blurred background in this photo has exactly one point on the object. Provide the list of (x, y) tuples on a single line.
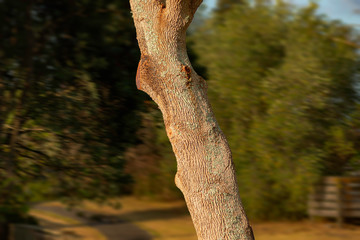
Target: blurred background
[(284, 82)]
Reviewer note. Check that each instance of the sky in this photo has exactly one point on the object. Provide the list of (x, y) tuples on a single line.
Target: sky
[(346, 10)]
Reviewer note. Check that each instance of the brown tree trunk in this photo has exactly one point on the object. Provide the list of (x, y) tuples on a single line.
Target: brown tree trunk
[(205, 169)]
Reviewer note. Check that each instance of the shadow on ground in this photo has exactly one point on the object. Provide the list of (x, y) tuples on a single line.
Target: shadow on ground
[(155, 214), (113, 227)]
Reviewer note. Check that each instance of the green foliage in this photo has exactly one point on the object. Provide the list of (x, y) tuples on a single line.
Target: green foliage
[(226, 5), (68, 101), (282, 83)]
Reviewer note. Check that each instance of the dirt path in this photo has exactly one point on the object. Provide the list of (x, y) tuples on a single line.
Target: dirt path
[(171, 221), (110, 227)]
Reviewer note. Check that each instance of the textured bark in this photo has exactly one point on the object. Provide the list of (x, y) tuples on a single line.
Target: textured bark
[(205, 169)]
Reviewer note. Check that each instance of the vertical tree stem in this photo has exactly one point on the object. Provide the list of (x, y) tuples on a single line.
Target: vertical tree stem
[(205, 173)]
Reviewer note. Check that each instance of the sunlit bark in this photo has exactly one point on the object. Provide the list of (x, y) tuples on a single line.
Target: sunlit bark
[(205, 169)]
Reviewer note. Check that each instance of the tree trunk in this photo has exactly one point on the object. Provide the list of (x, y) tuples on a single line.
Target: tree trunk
[(205, 169)]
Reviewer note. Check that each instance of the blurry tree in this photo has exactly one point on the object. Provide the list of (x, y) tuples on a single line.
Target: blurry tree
[(282, 82), (67, 106), (152, 163), (353, 135), (225, 5)]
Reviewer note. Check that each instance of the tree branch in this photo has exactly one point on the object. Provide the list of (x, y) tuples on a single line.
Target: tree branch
[(33, 150)]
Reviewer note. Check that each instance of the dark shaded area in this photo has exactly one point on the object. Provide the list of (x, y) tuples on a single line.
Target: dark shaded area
[(155, 214), (69, 105)]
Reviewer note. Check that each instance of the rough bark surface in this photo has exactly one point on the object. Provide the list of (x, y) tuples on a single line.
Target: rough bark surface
[(205, 169)]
